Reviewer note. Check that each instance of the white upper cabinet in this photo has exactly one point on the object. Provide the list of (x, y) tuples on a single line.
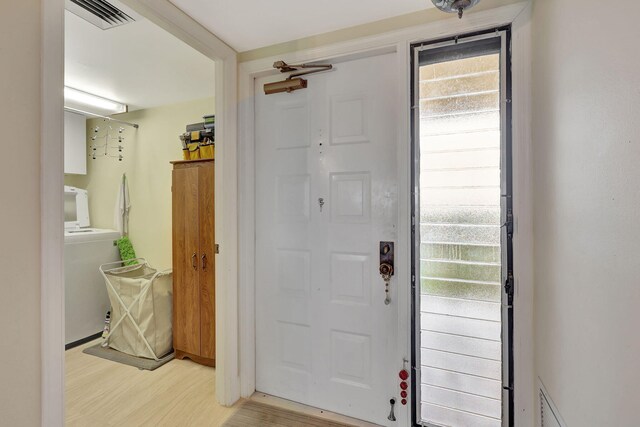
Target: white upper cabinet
[(75, 143)]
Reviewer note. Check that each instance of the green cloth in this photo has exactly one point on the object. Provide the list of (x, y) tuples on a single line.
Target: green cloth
[(126, 251)]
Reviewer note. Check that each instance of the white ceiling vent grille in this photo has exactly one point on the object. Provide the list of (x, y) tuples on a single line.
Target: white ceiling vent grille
[(100, 13)]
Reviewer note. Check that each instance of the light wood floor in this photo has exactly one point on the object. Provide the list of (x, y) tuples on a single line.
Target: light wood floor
[(101, 393), (308, 410), (104, 393), (256, 414)]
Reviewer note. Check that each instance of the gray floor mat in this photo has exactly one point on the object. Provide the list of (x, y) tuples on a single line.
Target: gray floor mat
[(126, 359)]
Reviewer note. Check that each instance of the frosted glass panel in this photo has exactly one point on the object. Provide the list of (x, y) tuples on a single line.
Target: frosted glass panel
[(445, 416), (467, 402), (462, 382), (460, 253)]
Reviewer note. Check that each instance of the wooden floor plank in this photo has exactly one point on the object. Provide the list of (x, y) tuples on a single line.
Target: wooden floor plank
[(255, 414), (102, 393), (99, 393)]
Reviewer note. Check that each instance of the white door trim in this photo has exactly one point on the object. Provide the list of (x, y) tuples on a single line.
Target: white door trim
[(172, 19), (525, 393), (517, 14), (52, 214)]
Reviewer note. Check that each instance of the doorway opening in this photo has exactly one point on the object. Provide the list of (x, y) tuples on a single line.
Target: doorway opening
[(137, 98), (462, 234)]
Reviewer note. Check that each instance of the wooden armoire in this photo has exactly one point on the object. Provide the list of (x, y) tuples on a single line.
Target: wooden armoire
[(194, 261)]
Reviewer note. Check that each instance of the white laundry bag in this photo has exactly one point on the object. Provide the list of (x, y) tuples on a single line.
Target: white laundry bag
[(141, 310)]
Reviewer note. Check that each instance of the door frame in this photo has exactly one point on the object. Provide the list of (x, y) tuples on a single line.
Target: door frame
[(518, 16), (164, 14)]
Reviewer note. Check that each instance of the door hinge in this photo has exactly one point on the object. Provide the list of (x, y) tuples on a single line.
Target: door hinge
[(217, 248)]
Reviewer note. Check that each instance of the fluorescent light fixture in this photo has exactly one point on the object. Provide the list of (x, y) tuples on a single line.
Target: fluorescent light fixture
[(79, 100)]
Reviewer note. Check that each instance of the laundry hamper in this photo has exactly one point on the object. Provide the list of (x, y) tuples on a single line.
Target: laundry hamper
[(141, 304)]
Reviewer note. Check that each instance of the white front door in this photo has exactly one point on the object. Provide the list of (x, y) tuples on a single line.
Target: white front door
[(327, 194)]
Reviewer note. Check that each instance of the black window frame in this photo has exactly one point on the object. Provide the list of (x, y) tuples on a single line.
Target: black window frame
[(507, 208)]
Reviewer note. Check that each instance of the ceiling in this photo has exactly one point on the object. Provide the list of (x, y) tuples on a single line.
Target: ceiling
[(250, 24), (138, 64)]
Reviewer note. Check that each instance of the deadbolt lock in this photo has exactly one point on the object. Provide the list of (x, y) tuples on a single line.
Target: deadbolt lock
[(387, 256), (386, 268)]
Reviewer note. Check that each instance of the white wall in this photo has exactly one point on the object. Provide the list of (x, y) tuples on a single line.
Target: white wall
[(586, 142), (20, 213), (586, 150), (148, 151)]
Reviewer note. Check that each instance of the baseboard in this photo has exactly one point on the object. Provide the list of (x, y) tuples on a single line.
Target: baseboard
[(82, 341)]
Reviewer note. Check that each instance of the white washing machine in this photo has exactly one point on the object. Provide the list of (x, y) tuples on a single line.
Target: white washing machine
[(85, 249), (85, 293)]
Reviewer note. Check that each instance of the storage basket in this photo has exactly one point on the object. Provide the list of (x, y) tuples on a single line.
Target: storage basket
[(141, 310)]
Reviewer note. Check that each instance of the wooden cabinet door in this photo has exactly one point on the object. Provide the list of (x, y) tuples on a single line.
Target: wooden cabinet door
[(186, 263), (207, 260)]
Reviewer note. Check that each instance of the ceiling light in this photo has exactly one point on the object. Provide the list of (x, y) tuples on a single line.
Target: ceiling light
[(455, 6), (79, 100)]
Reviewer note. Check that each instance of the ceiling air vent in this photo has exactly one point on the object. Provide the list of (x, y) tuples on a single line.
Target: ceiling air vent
[(100, 13)]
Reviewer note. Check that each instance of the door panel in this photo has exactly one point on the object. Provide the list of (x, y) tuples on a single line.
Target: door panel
[(326, 196), (207, 260), (186, 310)]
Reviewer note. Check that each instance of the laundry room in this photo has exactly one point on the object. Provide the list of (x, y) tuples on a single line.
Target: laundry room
[(139, 115)]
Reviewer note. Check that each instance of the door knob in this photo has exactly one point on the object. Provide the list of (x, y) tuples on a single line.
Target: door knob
[(204, 262), (194, 262), (386, 270), (386, 267)]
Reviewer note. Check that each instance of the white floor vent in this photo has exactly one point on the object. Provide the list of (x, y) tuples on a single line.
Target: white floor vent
[(549, 415)]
